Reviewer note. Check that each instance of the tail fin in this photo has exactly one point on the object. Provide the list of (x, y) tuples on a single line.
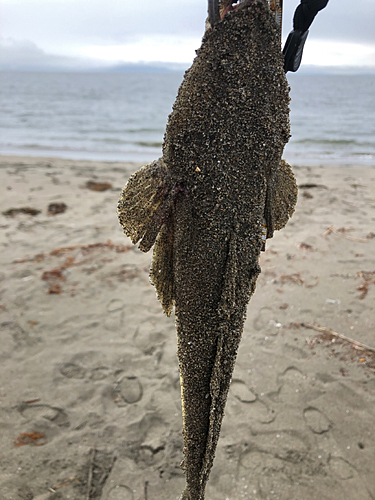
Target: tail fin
[(144, 211)]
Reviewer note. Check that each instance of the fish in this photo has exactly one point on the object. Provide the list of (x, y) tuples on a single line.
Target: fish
[(207, 206)]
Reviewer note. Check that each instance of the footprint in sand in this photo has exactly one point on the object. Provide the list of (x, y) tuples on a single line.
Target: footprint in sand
[(316, 421), (115, 314), (72, 370), (99, 373), (120, 492), (155, 431), (263, 413), (92, 420), (146, 455), (295, 386), (15, 337), (258, 410), (241, 391), (152, 333), (258, 460), (149, 455), (261, 464), (341, 468), (51, 413), (292, 375), (262, 318), (266, 321), (85, 363), (131, 389), (292, 383), (295, 352)]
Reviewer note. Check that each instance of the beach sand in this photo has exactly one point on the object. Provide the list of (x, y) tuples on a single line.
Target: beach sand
[(89, 383)]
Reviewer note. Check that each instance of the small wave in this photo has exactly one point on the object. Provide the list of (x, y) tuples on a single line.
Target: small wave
[(92, 144), (148, 144), (335, 142), (158, 131), (143, 130), (365, 156), (119, 142), (44, 147)]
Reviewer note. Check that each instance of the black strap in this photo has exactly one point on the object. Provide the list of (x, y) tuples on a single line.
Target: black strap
[(306, 12), (303, 17)]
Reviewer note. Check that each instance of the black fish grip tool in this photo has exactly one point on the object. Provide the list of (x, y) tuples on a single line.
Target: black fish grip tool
[(293, 50), (303, 17)]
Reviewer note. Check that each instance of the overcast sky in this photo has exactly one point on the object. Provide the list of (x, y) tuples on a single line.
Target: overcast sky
[(167, 30)]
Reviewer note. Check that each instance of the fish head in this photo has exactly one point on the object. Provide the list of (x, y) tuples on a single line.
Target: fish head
[(218, 9), (226, 6)]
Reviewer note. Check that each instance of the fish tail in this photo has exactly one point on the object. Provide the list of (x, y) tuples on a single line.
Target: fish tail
[(145, 214), (228, 341), (203, 417), (239, 285)]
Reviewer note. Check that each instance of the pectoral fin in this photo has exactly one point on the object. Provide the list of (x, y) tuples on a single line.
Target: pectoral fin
[(281, 198), (285, 195), (145, 213), (145, 203)]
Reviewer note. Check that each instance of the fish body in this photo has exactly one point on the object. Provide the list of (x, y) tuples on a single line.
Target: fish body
[(205, 205)]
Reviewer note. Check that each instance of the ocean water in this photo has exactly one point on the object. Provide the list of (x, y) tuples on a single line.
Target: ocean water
[(122, 116)]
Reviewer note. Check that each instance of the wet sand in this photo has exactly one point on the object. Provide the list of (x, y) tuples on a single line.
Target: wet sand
[(90, 399)]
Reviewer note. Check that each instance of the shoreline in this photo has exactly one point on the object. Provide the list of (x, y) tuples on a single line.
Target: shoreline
[(89, 364), (144, 158)]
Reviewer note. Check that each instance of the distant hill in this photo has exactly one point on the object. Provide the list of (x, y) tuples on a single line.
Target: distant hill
[(309, 69), (26, 56), (153, 67)]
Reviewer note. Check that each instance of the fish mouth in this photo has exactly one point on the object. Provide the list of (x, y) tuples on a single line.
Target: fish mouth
[(230, 5), (218, 9)]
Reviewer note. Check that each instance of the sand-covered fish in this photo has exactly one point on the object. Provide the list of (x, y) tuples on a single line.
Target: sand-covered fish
[(205, 204)]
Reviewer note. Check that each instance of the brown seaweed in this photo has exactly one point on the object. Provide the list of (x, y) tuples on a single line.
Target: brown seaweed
[(98, 186), (56, 208), (11, 212), (207, 204)]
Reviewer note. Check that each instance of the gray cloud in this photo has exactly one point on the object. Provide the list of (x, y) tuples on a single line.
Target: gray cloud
[(99, 21), (64, 24), (341, 20)]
